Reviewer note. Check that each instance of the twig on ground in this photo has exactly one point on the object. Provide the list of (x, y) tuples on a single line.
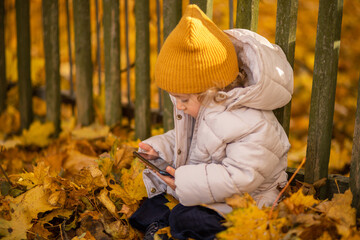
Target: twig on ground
[(286, 186)]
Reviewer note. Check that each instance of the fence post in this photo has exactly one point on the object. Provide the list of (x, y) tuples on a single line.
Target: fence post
[(112, 62), (355, 159), (23, 56), (247, 14), (142, 70), (172, 15), (205, 5), (323, 90), (84, 68), (3, 85), (50, 12), (285, 37)]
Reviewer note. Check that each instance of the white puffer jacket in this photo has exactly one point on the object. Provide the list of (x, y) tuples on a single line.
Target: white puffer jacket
[(234, 147)]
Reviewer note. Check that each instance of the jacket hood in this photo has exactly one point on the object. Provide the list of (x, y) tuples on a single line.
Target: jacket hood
[(270, 76)]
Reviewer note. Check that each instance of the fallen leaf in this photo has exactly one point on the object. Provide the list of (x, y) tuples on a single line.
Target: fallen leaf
[(57, 198), (90, 178), (240, 201), (94, 131), (172, 202), (105, 200), (24, 209), (75, 161), (297, 203), (340, 210), (38, 134), (117, 229)]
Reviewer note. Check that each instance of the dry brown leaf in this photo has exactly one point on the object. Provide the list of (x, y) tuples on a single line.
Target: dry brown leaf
[(105, 200), (39, 231), (57, 198), (85, 236), (93, 214), (24, 209), (59, 212), (117, 229), (90, 178), (340, 210), (123, 156), (75, 161), (94, 226)]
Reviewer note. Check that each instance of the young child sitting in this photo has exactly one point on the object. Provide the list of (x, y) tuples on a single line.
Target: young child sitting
[(226, 140)]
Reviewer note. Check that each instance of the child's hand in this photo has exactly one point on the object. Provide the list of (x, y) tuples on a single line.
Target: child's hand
[(148, 149), (168, 180)]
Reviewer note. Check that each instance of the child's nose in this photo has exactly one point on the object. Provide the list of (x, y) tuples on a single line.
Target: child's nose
[(179, 105)]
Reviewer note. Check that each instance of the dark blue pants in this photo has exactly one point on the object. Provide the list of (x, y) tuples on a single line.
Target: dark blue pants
[(185, 222)]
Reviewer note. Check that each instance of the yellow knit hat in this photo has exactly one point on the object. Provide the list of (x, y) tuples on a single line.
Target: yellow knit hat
[(196, 56)]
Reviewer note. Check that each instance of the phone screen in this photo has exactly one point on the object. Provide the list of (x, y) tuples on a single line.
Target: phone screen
[(156, 163)]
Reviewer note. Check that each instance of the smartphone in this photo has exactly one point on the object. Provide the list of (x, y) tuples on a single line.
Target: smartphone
[(156, 163)]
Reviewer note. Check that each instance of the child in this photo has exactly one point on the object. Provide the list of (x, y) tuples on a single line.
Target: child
[(226, 139)]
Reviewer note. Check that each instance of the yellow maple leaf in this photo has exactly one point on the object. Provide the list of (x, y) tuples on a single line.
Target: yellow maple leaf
[(251, 223), (94, 131), (298, 202), (132, 188), (25, 208), (340, 210), (31, 179), (38, 134)]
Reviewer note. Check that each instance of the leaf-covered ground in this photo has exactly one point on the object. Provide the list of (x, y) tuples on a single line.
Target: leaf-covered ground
[(86, 183)]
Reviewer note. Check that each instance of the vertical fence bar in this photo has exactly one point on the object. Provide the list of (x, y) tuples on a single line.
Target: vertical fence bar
[(84, 68), (112, 62), (231, 14), (247, 14), (98, 48), (23, 56), (69, 49), (3, 84), (323, 90), (142, 70), (205, 5), (50, 12), (127, 49), (285, 37), (172, 14), (158, 35), (355, 159)]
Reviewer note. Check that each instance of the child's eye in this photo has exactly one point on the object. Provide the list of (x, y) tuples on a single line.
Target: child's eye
[(184, 100)]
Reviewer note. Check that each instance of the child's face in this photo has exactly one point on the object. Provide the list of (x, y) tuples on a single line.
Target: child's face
[(187, 103)]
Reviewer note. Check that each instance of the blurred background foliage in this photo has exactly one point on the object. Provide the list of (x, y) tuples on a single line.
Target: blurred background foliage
[(346, 92)]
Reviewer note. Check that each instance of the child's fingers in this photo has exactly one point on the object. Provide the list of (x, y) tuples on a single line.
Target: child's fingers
[(148, 149), (145, 146), (170, 170), (168, 180)]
